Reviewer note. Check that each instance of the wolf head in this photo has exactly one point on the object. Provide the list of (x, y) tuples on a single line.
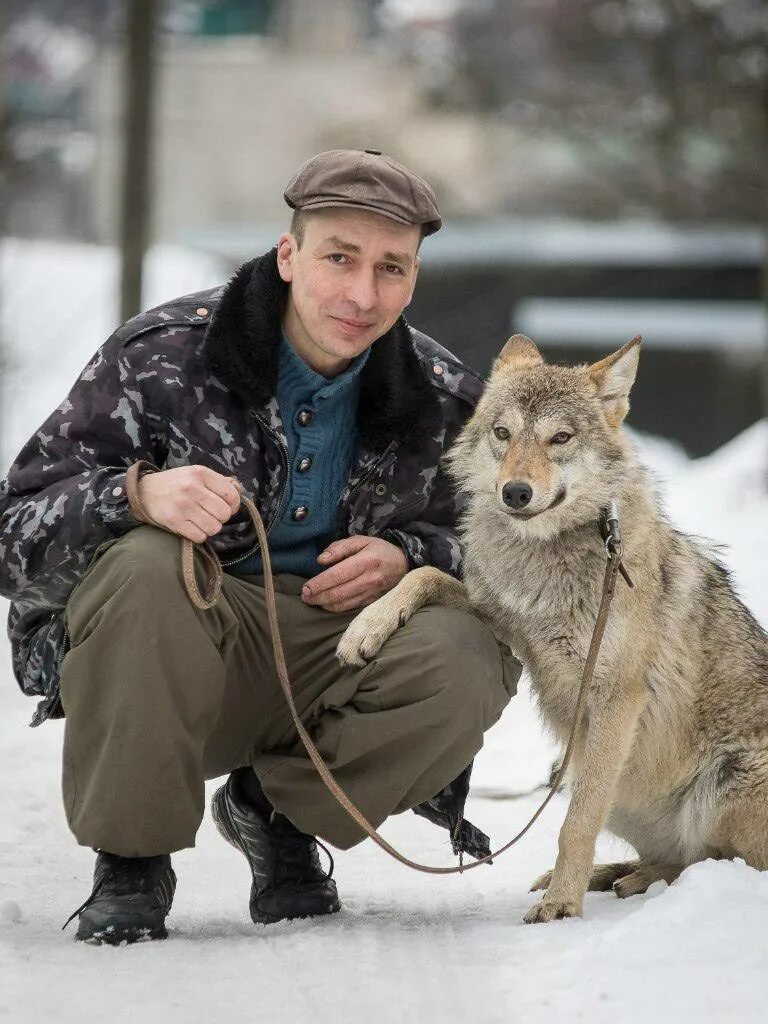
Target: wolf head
[(545, 447)]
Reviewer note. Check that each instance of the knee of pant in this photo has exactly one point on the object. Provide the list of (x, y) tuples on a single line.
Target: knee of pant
[(145, 557), (455, 641), (466, 661)]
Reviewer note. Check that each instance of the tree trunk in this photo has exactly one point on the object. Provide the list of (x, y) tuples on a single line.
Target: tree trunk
[(138, 91)]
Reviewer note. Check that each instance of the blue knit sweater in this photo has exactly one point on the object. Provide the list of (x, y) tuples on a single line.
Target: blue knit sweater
[(319, 416)]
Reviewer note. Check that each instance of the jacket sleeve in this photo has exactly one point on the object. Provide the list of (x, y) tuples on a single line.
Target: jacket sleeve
[(431, 539), (65, 493)]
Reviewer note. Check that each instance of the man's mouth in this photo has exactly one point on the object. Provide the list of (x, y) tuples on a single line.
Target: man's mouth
[(353, 326), (523, 514)]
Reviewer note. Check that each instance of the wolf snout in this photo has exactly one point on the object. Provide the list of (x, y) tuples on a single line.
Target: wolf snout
[(516, 495)]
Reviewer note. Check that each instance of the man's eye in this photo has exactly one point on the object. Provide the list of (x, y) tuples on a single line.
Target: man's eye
[(502, 433), (393, 268), (561, 437), (337, 257)]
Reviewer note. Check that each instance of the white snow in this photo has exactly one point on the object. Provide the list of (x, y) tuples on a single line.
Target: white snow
[(405, 947)]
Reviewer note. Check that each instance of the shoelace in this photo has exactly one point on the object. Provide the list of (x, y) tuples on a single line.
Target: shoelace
[(83, 906), (297, 853), (329, 856), (125, 877)]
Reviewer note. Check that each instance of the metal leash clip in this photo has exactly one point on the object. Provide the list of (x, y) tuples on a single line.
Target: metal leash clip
[(613, 545), (613, 531), (612, 540)]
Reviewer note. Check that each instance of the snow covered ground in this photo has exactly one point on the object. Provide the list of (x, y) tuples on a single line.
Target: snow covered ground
[(406, 946)]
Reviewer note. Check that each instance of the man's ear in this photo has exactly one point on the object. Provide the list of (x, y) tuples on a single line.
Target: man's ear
[(286, 248), (613, 377), (519, 353)]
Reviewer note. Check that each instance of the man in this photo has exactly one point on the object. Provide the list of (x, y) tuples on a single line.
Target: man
[(301, 381)]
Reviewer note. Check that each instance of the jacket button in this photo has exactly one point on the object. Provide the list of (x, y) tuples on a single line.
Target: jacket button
[(380, 490), (299, 513), (438, 370), (305, 417), (201, 311), (304, 464)]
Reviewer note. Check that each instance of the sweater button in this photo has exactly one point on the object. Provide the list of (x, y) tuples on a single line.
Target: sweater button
[(305, 417), (299, 513), (303, 464)]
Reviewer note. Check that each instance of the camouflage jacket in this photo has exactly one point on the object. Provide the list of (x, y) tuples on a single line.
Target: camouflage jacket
[(193, 382)]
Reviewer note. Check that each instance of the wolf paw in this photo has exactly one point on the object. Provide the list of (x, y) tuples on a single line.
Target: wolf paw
[(630, 885), (367, 632), (642, 878), (552, 910)]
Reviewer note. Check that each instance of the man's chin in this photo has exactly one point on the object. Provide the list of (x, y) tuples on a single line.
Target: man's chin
[(345, 346)]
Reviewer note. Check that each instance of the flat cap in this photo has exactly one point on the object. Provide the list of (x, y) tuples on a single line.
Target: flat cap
[(366, 180)]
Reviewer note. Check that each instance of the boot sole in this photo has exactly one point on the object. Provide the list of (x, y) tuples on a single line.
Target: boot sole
[(264, 917), (112, 936)]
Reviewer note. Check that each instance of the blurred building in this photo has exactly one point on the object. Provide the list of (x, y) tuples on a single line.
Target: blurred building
[(238, 111), (248, 89)]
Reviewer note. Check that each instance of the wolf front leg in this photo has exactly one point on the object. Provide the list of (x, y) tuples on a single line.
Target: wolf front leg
[(365, 635), (613, 719)]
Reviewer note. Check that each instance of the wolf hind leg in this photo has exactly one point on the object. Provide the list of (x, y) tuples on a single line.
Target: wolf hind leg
[(742, 830), (602, 878), (643, 877)]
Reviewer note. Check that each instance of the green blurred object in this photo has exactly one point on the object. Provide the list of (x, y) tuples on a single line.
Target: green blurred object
[(236, 17)]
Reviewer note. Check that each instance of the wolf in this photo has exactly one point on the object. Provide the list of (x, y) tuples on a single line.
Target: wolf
[(671, 753)]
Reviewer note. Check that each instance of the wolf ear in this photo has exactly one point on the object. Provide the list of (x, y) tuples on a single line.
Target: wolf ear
[(519, 353), (614, 377)]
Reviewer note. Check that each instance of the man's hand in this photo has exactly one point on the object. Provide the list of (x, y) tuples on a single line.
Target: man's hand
[(362, 569), (192, 501)]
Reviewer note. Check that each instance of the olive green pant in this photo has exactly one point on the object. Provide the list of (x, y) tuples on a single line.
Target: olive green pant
[(160, 696)]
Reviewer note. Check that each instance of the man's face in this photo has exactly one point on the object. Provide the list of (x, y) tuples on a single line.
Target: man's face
[(350, 281)]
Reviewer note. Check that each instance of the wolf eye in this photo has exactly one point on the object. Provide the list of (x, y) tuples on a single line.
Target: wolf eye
[(502, 433), (561, 437)]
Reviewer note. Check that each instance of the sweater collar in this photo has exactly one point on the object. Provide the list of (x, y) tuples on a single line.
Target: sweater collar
[(242, 346), (299, 376)]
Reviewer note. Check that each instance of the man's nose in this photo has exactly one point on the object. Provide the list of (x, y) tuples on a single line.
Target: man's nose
[(362, 290)]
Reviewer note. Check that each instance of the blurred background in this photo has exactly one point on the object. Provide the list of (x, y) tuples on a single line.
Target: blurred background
[(601, 166)]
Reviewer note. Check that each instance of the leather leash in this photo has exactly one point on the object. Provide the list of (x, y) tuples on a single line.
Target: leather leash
[(614, 565)]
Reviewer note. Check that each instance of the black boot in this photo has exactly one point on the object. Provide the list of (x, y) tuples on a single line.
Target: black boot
[(130, 900), (288, 880)]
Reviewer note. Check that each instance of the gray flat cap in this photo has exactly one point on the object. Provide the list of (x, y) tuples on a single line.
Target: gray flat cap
[(367, 180)]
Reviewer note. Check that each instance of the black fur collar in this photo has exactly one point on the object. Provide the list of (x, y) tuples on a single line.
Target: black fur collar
[(241, 348)]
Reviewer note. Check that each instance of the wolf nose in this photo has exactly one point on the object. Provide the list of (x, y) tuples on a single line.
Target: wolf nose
[(516, 495)]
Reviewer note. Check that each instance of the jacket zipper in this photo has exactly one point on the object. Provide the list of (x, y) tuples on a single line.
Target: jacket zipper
[(284, 458), (55, 704)]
